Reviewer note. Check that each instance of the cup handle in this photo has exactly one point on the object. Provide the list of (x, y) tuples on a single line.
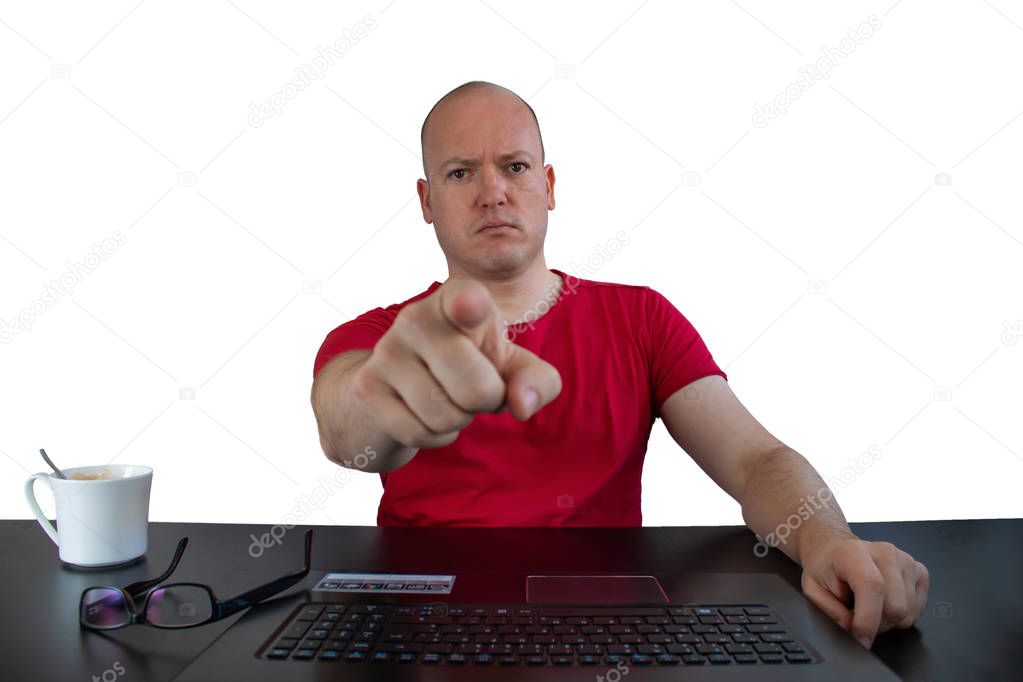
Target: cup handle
[(30, 495)]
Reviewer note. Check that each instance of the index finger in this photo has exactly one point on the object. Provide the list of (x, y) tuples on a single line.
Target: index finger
[(467, 306), (867, 584)]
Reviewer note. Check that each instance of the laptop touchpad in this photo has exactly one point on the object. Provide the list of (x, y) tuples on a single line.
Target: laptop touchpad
[(594, 589)]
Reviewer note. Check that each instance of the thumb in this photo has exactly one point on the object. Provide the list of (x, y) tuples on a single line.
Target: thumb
[(531, 381)]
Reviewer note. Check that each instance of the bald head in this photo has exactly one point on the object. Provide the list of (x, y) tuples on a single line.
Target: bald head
[(448, 105)]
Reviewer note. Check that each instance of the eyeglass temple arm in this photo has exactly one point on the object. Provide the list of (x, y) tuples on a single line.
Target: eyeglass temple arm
[(258, 594), (136, 589)]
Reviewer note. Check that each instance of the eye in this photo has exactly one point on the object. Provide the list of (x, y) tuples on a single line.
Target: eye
[(519, 163), (457, 170)]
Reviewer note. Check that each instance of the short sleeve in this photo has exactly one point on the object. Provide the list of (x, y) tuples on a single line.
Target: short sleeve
[(361, 333), (678, 355)]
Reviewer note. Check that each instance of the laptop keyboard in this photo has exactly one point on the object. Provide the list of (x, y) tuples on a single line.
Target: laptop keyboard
[(470, 635)]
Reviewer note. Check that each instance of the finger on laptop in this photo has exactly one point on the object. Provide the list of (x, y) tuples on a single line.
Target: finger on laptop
[(827, 601), (896, 602), (916, 581), (859, 571), (922, 585)]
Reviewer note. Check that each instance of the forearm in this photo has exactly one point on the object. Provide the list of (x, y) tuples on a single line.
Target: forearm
[(789, 506), (347, 434)]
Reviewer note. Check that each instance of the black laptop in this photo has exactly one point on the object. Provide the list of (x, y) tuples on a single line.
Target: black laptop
[(495, 625)]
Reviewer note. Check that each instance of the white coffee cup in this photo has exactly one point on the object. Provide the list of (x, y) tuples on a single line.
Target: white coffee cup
[(102, 513)]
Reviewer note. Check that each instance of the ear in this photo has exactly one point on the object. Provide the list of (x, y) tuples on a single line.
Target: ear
[(548, 172), (423, 189)]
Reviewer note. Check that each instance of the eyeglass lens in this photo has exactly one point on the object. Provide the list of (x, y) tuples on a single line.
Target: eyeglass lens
[(179, 606), (105, 607)]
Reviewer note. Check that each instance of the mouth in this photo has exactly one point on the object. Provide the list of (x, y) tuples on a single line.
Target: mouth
[(496, 227)]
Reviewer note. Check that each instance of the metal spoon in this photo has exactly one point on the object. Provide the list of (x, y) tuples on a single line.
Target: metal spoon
[(60, 474)]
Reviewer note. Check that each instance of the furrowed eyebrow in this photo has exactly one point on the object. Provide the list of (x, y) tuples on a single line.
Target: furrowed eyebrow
[(461, 161)]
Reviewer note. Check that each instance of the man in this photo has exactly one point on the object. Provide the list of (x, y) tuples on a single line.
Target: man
[(471, 419)]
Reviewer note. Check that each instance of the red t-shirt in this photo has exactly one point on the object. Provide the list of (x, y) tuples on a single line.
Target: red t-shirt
[(621, 351)]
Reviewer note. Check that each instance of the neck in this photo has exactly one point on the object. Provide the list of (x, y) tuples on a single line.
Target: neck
[(518, 295)]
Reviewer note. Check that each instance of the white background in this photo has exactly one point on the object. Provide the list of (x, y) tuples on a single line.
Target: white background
[(856, 295)]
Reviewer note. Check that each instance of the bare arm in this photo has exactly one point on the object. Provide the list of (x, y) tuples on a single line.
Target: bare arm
[(767, 478), (787, 504), (345, 429)]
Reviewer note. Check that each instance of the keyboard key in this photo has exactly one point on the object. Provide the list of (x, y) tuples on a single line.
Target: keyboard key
[(798, 658), (762, 619), (767, 648), (719, 659), (296, 629), (304, 654), (329, 655), (758, 628)]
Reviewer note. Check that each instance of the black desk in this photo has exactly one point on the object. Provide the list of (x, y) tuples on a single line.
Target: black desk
[(971, 630)]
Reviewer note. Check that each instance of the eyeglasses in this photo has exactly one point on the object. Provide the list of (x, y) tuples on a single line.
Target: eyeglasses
[(179, 605)]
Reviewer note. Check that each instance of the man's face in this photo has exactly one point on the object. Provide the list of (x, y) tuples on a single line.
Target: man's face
[(482, 152)]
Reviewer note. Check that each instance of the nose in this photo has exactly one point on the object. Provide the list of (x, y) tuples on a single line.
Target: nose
[(492, 188)]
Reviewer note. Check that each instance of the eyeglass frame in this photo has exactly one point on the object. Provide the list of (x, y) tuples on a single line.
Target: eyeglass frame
[(220, 609)]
